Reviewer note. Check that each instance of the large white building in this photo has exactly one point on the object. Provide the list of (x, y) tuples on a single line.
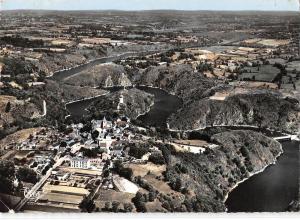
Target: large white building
[(85, 163), (80, 163)]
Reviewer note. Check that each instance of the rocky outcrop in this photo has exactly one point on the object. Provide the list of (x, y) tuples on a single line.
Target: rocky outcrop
[(208, 178), (180, 80), (130, 103), (52, 62), (102, 75), (69, 93), (261, 108), (256, 107)]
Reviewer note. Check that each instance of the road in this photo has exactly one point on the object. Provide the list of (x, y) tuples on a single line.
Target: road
[(287, 137), (38, 185)]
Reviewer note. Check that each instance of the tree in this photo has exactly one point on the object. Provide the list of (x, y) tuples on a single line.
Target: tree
[(125, 172), (7, 173), (243, 170), (27, 175), (139, 202), (87, 127), (189, 205), (8, 107), (90, 153), (128, 207), (87, 205), (157, 158), (244, 152), (178, 184), (63, 144), (152, 196), (115, 206), (166, 205), (95, 135), (106, 206), (203, 67), (138, 150), (44, 171), (62, 127)]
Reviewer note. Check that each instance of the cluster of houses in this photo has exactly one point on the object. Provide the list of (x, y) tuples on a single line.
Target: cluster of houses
[(105, 136), (85, 173)]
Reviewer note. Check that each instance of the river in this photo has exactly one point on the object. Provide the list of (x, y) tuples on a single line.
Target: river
[(270, 191), (165, 105), (60, 75)]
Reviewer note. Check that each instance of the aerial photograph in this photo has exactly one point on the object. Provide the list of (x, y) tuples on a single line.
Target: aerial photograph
[(147, 106)]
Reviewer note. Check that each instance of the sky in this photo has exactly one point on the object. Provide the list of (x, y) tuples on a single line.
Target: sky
[(262, 5)]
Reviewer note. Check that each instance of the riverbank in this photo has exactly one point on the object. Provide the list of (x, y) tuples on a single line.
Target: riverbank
[(278, 135), (273, 188), (106, 59), (82, 100), (165, 105), (147, 111), (157, 113), (291, 135), (251, 174), (163, 101), (88, 98), (86, 63), (155, 87)]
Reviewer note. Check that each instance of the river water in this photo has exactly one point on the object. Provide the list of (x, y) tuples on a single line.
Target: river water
[(59, 76), (77, 109), (165, 105), (269, 191)]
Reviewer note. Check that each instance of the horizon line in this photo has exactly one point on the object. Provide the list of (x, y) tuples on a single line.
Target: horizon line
[(142, 10)]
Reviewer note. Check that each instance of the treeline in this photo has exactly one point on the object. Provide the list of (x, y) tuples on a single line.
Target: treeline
[(8, 173), (21, 71), (18, 41)]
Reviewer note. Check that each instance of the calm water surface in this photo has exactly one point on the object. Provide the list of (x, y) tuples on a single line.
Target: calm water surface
[(271, 190)]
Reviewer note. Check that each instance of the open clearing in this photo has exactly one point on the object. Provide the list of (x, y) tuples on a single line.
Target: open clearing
[(113, 196), (196, 143), (80, 171), (267, 42), (143, 169), (19, 136), (65, 190), (62, 198)]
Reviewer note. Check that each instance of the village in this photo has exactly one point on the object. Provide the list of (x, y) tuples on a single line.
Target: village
[(150, 112), (66, 170), (88, 156)]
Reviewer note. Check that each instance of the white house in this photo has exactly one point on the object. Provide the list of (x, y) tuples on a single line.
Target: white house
[(85, 163), (81, 163)]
